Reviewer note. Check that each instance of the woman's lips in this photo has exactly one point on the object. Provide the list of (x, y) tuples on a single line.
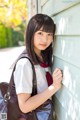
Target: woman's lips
[(44, 45)]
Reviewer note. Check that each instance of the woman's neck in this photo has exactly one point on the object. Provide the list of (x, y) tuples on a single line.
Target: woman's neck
[(38, 53)]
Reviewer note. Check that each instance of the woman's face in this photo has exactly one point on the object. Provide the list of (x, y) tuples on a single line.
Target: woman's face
[(42, 40)]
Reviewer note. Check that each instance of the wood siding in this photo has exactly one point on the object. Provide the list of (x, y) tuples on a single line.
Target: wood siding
[(66, 14)]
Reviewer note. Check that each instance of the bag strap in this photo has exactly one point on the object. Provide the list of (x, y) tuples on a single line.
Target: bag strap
[(34, 89)]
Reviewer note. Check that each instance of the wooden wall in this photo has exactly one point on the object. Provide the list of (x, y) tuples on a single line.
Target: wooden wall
[(66, 14)]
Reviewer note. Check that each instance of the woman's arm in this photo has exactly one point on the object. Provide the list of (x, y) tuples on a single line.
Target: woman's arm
[(28, 103)]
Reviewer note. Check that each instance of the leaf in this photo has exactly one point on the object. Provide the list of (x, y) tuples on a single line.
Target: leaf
[(13, 12)]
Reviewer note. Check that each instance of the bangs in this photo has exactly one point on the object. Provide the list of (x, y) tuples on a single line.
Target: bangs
[(47, 28)]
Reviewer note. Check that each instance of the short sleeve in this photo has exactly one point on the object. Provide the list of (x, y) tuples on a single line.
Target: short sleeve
[(23, 76)]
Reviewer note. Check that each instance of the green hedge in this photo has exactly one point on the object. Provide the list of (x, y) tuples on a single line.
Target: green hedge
[(16, 37), (9, 37), (2, 37)]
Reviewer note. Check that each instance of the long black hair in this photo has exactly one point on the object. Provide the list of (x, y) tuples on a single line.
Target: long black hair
[(36, 22)]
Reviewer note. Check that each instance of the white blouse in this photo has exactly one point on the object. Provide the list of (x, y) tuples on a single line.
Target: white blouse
[(23, 76)]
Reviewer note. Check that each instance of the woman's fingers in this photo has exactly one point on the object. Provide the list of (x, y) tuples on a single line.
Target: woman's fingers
[(57, 75), (57, 72)]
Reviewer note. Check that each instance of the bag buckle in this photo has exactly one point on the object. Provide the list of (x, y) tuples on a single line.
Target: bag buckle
[(7, 96)]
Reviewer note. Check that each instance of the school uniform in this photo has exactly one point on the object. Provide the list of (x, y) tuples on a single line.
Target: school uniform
[(23, 76)]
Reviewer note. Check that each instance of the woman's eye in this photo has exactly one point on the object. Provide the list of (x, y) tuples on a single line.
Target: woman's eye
[(50, 34), (40, 33)]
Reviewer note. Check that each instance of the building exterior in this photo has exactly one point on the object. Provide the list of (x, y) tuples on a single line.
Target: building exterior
[(66, 14)]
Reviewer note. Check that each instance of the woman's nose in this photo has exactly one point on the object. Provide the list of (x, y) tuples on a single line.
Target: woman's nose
[(44, 39)]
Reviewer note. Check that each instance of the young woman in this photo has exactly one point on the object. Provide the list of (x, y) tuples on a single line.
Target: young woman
[(39, 39)]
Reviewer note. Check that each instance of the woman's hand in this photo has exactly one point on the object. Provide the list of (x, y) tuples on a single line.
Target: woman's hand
[(57, 78)]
